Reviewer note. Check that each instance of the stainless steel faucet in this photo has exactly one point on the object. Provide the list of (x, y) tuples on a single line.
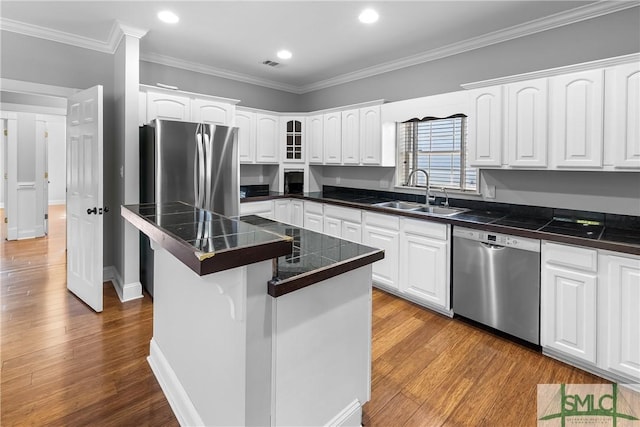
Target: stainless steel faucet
[(426, 174), (446, 198)]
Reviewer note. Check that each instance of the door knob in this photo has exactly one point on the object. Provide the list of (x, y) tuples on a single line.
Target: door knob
[(92, 211)]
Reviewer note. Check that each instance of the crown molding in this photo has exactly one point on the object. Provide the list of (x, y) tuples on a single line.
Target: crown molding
[(118, 30), (550, 22), (218, 72), (574, 68)]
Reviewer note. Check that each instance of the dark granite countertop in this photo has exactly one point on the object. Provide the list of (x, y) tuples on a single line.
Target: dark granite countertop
[(207, 243), (618, 233)]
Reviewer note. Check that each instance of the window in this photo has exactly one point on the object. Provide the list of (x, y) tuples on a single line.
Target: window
[(437, 145)]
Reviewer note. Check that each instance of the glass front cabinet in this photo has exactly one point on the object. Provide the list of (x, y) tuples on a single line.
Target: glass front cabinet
[(293, 128)]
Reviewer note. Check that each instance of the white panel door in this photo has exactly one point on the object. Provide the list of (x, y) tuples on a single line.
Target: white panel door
[(84, 196), (623, 332), (267, 146), (351, 231), (568, 312), (315, 139), (424, 269), (485, 126), (246, 123), (282, 210), (10, 146), (207, 111), (297, 213), (527, 123), (576, 119), (313, 222), (332, 226), (622, 122), (332, 138), (351, 137), (165, 106), (370, 136)]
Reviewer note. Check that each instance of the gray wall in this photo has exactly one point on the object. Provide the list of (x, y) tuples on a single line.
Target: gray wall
[(607, 36), (41, 61), (249, 95)]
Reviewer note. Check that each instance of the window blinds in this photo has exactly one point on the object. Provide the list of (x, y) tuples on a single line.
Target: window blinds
[(437, 145)]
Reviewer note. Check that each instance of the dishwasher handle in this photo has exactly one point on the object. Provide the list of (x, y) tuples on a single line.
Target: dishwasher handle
[(492, 246)]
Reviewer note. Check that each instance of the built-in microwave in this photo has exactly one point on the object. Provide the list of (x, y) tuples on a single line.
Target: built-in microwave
[(293, 181)]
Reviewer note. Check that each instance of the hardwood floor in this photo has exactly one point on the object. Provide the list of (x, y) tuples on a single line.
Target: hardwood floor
[(63, 364)]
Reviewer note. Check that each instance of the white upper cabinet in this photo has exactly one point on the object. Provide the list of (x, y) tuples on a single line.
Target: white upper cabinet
[(622, 115), (371, 137), (351, 137), (485, 126), (576, 119), (332, 138), (292, 131), (315, 146), (527, 123), (213, 112), (267, 132), (246, 123), (168, 106)]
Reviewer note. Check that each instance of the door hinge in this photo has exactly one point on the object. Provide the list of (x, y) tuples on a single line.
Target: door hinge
[(6, 176), (46, 216), (46, 175), (6, 220), (46, 134), (6, 133)]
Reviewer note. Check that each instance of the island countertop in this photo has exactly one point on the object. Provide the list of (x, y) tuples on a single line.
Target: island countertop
[(207, 242)]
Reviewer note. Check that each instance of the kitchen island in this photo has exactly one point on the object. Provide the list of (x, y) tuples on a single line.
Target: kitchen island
[(257, 322)]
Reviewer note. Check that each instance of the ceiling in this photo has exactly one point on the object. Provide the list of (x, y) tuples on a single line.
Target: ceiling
[(329, 44)]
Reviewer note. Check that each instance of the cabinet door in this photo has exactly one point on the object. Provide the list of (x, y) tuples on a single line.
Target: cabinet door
[(332, 138), (297, 213), (527, 123), (351, 231), (292, 131), (424, 269), (266, 138), (313, 222), (263, 209), (485, 127), (370, 136), (165, 106), (282, 212), (576, 119), (246, 123), (207, 111), (622, 126), (623, 315), (332, 226), (351, 137), (568, 312), (385, 271), (315, 139)]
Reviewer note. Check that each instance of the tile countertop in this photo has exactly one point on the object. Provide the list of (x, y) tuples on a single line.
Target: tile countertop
[(207, 243), (534, 222)]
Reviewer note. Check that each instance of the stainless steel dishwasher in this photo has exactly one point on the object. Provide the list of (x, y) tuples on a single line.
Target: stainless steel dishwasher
[(496, 281)]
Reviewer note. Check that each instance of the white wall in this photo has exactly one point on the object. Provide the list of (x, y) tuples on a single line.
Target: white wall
[(57, 159)]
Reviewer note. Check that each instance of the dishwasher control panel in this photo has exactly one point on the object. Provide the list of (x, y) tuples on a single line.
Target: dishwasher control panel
[(497, 239)]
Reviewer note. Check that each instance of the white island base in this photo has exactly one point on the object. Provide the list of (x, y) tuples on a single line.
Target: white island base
[(228, 354)]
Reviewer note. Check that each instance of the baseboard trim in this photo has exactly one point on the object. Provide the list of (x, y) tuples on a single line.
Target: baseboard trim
[(409, 297), (350, 416), (126, 292), (176, 395)]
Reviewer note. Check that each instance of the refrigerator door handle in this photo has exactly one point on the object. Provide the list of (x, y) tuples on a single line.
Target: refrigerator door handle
[(199, 169)]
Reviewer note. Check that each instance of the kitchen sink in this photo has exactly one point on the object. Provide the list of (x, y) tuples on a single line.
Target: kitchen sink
[(420, 208), (405, 206), (440, 210)]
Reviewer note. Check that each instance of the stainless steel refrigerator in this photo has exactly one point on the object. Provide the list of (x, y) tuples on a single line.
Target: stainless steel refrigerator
[(196, 163)]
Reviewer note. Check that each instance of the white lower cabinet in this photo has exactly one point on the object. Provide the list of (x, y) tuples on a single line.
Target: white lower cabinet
[(297, 213), (425, 273), (568, 301), (313, 216), (620, 306), (289, 211), (263, 208), (590, 309), (383, 232), (343, 222)]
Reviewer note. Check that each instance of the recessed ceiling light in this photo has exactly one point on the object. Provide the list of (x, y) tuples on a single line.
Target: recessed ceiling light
[(368, 16), (168, 17), (284, 54)]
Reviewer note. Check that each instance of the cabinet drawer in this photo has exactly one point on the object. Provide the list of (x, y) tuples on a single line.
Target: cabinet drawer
[(389, 222), (252, 208), (344, 214), (312, 207), (434, 230), (570, 256)]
